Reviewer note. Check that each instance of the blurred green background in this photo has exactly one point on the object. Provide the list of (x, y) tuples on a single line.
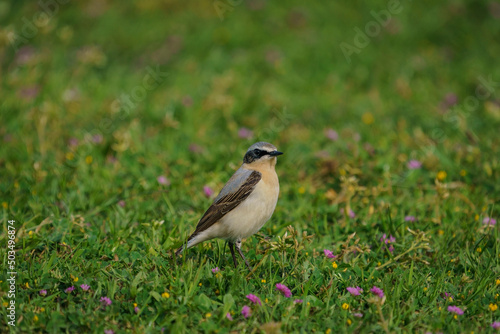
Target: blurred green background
[(120, 112)]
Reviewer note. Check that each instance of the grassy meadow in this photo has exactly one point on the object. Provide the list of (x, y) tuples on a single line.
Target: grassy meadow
[(121, 120)]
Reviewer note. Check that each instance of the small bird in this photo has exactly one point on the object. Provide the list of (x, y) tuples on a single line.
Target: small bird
[(244, 204)]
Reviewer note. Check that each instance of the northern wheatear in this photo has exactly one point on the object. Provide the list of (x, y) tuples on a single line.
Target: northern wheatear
[(245, 203)]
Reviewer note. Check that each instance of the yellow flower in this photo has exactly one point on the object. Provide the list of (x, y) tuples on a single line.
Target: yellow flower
[(208, 315), (440, 232), (70, 156), (450, 298), (263, 281), (479, 250), (200, 284), (16, 184), (497, 282), (165, 294), (302, 190), (5, 304), (439, 308), (493, 307), (217, 292), (42, 309), (349, 322), (308, 304), (35, 318), (27, 285), (5, 205), (476, 217), (328, 331), (379, 263), (367, 118), (441, 175), (75, 279), (455, 317), (30, 233), (345, 306), (135, 305), (463, 172), (88, 159), (266, 301), (425, 289), (334, 265)]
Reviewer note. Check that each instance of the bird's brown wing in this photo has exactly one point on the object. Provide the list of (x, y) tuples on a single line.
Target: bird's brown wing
[(226, 203)]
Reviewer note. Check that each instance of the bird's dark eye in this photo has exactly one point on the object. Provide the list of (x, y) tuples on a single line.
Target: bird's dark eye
[(259, 153)]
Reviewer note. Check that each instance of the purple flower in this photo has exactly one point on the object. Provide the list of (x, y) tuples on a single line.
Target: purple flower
[(331, 134), (245, 133), (121, 203), (377, 291), (449, 100), (109, 331), (229, 317), (43, 292), (195, 148), (215, 270), (284, 290), (85, 287), (410, 219), (355, 291), (254, 299), (162, 179), (105, 301), (386, 240), (298, 301), (358, 315), (29, 93), (455, 309), (351, 213), (391, 248), (187, 101), (68, 290), (447, 295), (329, 254), (246, 311), (136, 309), (97, 139), (496, 325), (489, 221), (414, 164), (72, 142), (208, 191)]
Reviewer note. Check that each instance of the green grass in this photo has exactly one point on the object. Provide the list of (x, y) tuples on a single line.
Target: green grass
[(78, 174)]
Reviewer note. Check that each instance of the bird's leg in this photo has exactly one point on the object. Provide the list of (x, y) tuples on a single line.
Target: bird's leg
[(231, 248), (238, 248)]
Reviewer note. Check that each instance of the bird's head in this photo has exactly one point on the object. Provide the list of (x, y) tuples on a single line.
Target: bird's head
[(261, 152)]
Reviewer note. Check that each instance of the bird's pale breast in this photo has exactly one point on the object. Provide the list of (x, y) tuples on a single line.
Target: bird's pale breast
[(249, 217)]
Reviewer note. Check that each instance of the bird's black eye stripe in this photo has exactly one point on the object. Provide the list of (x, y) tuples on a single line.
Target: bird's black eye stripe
[(260, 153)]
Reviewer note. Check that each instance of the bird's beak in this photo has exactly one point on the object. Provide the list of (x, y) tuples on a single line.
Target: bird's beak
[(275, 153)]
